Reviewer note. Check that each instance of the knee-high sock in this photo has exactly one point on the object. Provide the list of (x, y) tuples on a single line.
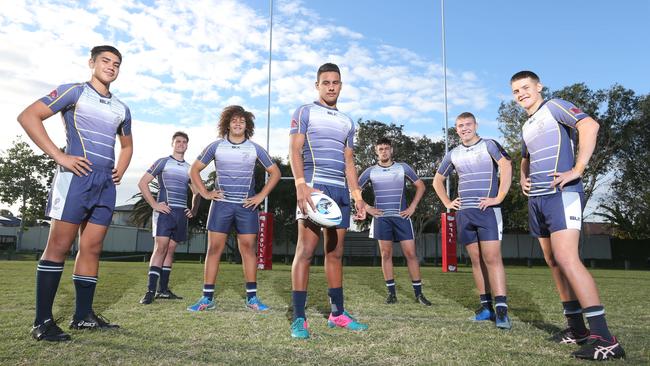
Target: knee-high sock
[(48, 276)]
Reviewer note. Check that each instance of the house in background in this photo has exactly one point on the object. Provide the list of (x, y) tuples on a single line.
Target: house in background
[(121, 215), (9, 221)]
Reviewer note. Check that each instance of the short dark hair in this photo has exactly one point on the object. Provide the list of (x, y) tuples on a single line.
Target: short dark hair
[(384, 141), (105, 48), (236, 111), (466, 115), (181, 134), (523, 75), (328, 67)]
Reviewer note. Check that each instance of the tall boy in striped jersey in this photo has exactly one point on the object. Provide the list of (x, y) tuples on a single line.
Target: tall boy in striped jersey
[(551, 176), (170, 214), (322, 159), (82, 197), (234, 201), (392, 217), (479, 225)]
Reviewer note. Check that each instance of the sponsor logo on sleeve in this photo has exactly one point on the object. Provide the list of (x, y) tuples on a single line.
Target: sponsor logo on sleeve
[(575, 110), (294, 123), (53, 94)]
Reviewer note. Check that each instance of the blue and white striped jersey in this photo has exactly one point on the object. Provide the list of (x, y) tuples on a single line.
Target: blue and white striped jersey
[(91, 121), (477, 169), (235, 166), (548, 141), (173, 178), (327, 133), (389, 184)]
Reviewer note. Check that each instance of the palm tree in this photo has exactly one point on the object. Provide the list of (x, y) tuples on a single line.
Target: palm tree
[(141, 214)]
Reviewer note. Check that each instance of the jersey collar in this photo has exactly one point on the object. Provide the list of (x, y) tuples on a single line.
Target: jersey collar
[(324, 106), (474, 144), (110, 95)]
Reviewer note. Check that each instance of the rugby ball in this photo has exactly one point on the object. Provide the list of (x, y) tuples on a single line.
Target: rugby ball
[(327, 214)]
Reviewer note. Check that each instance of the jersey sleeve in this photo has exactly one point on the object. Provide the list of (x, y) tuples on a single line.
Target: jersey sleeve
[(300, 120), (125, 127), (364, 178), (349, 141), (446, 166), (565, 112), (63, 96), (207, 155), (263, 156), (409, 173), (157, 167), (496, 151)]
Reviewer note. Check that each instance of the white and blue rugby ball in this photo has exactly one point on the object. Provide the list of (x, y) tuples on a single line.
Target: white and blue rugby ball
[(327, 214)]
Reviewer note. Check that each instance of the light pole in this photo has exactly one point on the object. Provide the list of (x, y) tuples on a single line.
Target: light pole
[(268, 103), (444, 78)]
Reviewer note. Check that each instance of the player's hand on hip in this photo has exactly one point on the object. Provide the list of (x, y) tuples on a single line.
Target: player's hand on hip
[(76, 164), (214, 195), (162, 207), (454, 205), (407, 213), (561, 179), (486, 202), (374, 211), (303, 197), (525, 185), (188, 213), (253, 202)]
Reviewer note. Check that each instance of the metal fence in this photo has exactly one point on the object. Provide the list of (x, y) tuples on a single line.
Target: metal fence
[(136, 240)]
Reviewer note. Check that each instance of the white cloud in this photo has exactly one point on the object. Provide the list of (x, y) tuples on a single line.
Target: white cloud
[(185, 61)]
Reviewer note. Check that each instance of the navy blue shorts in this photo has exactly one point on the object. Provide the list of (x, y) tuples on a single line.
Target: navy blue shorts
[(223, 215), (76, 199), (554, 212), (393, 228), (474, 225), (341, 196), (172, 225)]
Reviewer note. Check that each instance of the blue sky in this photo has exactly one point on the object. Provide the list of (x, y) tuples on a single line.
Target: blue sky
[(185, 61)]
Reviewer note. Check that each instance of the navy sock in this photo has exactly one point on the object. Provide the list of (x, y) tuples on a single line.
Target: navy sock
[(486, 300), (336, 300), (251, 290), (573, 314), (390, 285), (597, 323), (501, 305), (48, 276), (299, 300), (417, 287), (85, 292), (164, 278), (208, 291), (154, 274)]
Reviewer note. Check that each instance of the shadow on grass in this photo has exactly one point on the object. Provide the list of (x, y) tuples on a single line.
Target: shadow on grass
[(528, 311), (460, 289)]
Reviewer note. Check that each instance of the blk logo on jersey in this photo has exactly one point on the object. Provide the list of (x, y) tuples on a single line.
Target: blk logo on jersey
[(574, 218)]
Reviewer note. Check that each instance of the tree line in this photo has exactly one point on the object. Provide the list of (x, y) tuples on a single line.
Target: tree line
[(616, 178)]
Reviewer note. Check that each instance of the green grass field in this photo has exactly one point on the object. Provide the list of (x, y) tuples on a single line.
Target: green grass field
[(402, 334)]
